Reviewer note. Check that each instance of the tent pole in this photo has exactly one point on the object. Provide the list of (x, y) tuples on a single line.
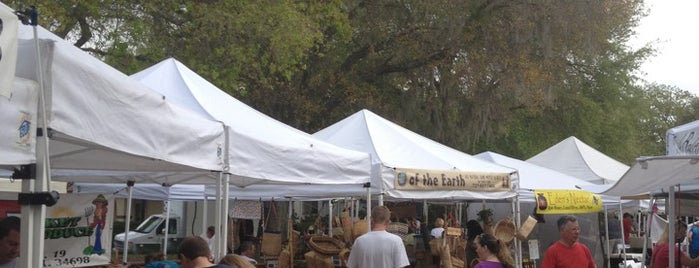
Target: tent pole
[(518, 223), (167, 221), (34, 216), (217, 217), (330, 218), (127, 228), (671, 220), (647, 228), (290, 228), (224, 219), (368, 209), (204, 223), (606, 236), (623, 240)]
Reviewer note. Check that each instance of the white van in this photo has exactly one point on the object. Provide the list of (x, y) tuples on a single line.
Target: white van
[(149, 236)]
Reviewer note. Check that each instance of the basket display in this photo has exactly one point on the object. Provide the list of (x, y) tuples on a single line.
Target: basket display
[(398, 228), (505, 230), (325, 245)]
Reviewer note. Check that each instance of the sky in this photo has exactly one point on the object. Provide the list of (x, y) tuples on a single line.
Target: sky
[(672, 25)]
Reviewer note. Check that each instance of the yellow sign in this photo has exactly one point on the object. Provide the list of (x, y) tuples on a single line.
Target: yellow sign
[(566, 202), (440, 180)]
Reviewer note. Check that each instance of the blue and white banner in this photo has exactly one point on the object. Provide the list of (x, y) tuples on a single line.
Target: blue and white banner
[(8, 49)]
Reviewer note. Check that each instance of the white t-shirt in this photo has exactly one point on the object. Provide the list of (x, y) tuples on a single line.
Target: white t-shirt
[(437, 232), (378, 249)]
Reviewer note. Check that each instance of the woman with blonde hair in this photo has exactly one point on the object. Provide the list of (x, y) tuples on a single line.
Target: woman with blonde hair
[(492, 253), (236, 261), (438, 228), (661, 250)]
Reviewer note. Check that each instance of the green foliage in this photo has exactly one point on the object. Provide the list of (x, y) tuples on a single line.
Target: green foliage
[(513, 77)]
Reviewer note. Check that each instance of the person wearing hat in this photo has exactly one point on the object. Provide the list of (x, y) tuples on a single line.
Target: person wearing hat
[(98, 222), (438, 228)]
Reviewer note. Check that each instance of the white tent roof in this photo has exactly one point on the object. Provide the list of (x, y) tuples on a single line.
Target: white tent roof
[(261, 149), (534, 177), (575, 158), (392, 146), (683, 140), (151, 191), (145, 191), (101, 119), (653, 174)]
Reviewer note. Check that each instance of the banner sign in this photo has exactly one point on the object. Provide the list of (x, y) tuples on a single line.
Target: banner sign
[(450, 180), (566, 202), (8, 49), (78, 231), (683, 140)]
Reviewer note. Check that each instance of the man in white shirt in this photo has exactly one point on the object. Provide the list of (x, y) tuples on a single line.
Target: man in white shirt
[(247, 250), (378, 248), (209, 237)]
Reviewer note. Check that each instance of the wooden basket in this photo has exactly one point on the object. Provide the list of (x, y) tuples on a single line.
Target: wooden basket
[(505, 230), (325, 245)]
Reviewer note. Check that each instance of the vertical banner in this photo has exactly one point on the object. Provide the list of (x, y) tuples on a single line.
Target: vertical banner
[(566, 202), (79, 231), (8, 49)]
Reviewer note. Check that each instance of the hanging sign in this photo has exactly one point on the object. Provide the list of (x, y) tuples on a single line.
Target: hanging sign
[(566, 202), (450, 180), (78, 231)]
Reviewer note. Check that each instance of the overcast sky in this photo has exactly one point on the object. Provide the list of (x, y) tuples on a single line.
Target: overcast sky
[(673, 24)]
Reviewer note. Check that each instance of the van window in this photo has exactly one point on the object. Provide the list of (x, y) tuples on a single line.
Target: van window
[(148, 225), (172, 226)]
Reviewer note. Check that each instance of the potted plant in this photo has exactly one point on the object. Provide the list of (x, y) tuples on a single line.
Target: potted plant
[(486, 216)]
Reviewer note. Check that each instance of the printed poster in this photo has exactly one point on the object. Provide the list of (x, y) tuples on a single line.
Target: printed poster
[(78, 231), (566, 202), (450, 180)]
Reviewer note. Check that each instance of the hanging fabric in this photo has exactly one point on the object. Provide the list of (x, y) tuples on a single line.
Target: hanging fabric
[(247, 209)]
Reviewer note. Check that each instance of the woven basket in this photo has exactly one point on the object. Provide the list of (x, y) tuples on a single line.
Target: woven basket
[(397, 228), (325, 245), (505, 230)]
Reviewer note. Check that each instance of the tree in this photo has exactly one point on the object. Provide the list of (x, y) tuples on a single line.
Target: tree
[(509, 76)]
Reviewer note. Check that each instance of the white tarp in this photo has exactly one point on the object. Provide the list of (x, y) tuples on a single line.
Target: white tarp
[(8, 49), (101, 119), (651, 174), (151, 191), (262, 149), (18, 120), (575, 158), (145, 191), (683, 140), (392, 146)]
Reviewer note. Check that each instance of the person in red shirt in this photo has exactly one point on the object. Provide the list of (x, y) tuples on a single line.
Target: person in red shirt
[(661, 251), (628, 227), (567, 252)]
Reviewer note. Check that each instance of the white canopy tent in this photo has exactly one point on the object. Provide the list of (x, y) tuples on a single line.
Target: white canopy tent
[(392, 146), (97, 118), (532, 177), (653, 174), (575, 158), (261, 149)]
